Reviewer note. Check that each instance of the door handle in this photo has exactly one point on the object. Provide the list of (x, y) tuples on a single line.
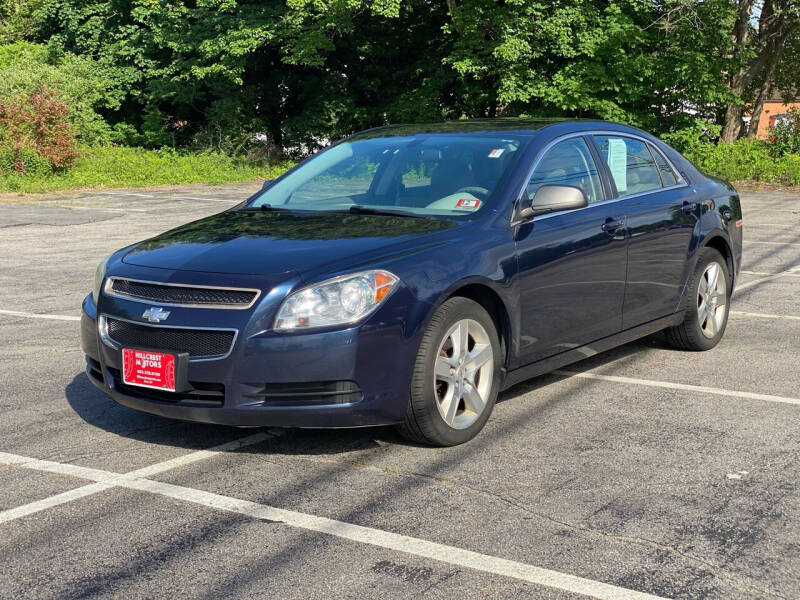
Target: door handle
[(688, 207), (610, 225)]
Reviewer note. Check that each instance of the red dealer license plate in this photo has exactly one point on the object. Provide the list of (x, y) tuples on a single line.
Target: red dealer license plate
[(148, 369)]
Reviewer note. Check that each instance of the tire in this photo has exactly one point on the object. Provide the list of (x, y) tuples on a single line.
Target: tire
[(700, 329), (441, 409)]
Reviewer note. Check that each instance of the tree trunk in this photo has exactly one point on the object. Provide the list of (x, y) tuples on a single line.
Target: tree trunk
[(741, 33), (764, 92), (733, 123), (755, 120)]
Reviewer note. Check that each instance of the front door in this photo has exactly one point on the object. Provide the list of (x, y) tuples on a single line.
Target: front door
[(571, 263)]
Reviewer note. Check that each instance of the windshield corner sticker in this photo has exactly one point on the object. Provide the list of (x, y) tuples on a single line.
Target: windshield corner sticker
[(496, 153), (468, 203), (618, 162)]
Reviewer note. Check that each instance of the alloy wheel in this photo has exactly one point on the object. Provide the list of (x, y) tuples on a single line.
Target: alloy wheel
[(463, 373), (711, 300)]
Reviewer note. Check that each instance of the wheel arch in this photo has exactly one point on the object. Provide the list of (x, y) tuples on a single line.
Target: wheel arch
[(493, 303), (717, 241)]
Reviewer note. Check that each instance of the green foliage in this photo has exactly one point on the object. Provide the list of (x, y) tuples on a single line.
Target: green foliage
[(80, 82), (785, 135), (264, 79), (696, 135), (746, 160), (32, 163), (306, 71), (110, 166), (17, 19)]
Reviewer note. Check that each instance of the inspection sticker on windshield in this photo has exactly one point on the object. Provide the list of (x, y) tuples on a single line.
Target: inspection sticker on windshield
[(470, 203), (496, 153)]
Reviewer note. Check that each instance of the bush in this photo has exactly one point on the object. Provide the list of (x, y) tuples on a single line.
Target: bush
[(79, 82), (37, 124), (698, 134), (746, 160), (26, 161), (785, 135)]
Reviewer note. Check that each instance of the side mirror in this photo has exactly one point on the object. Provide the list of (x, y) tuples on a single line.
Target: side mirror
[(266, 184), (552, 198)]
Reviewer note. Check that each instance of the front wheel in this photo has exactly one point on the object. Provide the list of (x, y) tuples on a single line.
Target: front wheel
[(456, 376), (705, 305)]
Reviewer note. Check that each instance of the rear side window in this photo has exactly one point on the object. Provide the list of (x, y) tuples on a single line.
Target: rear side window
[(568, 163), (632, 167), (668, 176)]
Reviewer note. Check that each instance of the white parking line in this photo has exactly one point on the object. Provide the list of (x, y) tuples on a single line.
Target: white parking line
[(17, 313), (108, 209), (772, 243), (356, 533), (223, 200), (119, 193), (749, 284), (94, 488), (680, 386), (785, 273), (58, 499), (741, 313)]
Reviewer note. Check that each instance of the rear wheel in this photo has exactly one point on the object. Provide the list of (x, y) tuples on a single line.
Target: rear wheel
[(456, 376), (705, 305)]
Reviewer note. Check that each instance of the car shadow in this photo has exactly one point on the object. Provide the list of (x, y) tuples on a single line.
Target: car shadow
[(99, 410)]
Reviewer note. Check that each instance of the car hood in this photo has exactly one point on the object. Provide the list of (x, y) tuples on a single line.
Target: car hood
[(269, 243)]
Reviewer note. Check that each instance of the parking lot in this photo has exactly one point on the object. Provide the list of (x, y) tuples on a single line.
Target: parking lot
[(640, 472)]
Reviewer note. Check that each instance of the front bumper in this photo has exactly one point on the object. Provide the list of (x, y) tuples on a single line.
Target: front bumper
[(369, 364)]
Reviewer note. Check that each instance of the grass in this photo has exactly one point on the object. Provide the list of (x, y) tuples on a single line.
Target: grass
[(118, 166)]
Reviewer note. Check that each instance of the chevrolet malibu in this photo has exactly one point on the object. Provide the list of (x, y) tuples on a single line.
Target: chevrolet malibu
[(407, 274)]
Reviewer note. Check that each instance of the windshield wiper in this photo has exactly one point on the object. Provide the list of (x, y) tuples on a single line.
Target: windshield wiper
[(268, 208), (356, 209)]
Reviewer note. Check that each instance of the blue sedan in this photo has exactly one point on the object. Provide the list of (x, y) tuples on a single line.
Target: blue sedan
[(407, 274)]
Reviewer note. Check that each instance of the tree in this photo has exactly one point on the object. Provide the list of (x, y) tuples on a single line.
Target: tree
[(301, 72), (756, 52)]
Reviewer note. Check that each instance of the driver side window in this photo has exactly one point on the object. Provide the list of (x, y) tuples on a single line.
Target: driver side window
[(568, 163)]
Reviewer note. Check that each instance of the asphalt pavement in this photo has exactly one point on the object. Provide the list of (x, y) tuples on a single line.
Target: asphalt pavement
[(639, 472)]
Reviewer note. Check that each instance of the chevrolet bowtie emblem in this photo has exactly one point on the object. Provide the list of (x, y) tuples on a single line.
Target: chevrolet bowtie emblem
[(155, 314)]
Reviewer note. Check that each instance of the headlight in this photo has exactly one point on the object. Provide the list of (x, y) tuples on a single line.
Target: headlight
[(338, 301), (99, 275)]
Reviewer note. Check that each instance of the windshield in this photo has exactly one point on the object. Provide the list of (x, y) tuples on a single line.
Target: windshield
[(436, 174)]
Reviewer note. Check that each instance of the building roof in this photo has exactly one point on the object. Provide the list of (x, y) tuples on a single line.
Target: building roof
[(781, 96)]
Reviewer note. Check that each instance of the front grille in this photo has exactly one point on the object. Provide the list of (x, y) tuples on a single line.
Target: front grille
[(198, 343), (182, 295), (313, 392)]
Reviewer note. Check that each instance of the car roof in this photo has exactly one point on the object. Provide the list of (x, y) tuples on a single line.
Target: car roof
[(518, 126)]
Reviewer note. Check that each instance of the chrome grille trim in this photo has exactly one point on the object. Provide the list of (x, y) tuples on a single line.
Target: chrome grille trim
[(108, 289), (102, 328)]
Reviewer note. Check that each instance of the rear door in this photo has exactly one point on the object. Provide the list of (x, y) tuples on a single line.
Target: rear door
[(661, 214), (572, 263)]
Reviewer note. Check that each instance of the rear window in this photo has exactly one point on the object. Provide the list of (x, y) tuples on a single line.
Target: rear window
[(632, 167)]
